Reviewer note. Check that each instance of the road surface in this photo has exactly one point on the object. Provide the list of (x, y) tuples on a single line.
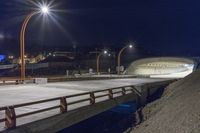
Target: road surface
[(15, 94)]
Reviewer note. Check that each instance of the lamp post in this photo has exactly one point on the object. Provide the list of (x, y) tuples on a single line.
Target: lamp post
[(119, 57), (44, 10), (98, 59)]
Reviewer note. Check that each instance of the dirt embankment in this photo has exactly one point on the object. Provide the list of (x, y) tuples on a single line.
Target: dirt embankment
[(177, 111)]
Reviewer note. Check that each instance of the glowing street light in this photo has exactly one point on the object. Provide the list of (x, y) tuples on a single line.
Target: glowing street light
[(98, 59), (119, 56), (42, 10), (105, 52)]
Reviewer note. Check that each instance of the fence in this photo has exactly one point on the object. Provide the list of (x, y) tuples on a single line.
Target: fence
[(11, 116)]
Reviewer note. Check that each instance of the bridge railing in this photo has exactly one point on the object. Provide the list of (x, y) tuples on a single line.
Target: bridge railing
[(11, 117)]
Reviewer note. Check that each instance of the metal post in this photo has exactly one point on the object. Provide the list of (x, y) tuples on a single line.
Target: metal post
[(10, 116), (110, 94), (63, 105), (123, 91), (92, 98), (98, 58), (119, 59), (22, 45)]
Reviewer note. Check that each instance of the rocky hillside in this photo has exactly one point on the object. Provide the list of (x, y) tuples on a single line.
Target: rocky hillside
[(177, 111)]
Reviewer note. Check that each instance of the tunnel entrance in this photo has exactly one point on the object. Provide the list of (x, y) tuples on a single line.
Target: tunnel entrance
[(162, 67)]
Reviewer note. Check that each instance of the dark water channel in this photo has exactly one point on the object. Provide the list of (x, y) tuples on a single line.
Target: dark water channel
[(115, 120)]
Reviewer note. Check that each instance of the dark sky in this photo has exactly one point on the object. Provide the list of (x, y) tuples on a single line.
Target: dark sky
[(169, 27)]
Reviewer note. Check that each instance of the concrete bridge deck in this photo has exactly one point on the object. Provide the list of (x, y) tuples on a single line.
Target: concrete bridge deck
[(16, 94)]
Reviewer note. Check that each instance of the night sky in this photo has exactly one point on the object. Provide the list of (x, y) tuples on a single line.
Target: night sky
[(166, 27)]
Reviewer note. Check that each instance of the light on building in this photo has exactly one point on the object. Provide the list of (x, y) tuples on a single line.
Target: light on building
[(10, 57)]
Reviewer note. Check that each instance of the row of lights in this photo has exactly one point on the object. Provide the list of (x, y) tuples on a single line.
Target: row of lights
[(105, 52), (45, 10), (50, 54)]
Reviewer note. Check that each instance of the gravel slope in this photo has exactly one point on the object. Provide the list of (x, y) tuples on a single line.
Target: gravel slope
[(178, 110)]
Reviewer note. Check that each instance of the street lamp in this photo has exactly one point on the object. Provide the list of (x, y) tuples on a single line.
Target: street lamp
[(119, 57), (43, 10), (98, 58)]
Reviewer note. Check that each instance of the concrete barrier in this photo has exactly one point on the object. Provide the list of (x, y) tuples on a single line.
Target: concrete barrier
[(41, 80)]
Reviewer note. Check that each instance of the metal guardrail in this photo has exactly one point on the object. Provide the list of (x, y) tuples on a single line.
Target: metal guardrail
[(17, 80), (12, 80), (10, 119)]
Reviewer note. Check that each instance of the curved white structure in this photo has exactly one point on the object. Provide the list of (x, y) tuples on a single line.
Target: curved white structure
[(162, 67)]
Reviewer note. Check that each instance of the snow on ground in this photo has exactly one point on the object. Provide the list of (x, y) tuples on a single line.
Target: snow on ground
[(14, 94)]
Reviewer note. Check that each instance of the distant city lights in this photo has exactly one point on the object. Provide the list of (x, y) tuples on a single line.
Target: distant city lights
[(10, 57)]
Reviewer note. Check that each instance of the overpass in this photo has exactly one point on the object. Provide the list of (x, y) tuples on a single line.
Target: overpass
[(54, 106)]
